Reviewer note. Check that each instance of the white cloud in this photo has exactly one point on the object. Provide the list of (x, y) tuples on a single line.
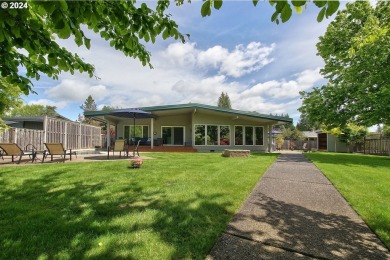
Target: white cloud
[(182, 54), (285, 89), (213, 57), (244, 60), (237, 63), (73, 90)]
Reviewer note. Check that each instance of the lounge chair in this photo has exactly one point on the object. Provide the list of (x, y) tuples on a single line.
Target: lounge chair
[(119, 146), (14, 150), (57, 149)]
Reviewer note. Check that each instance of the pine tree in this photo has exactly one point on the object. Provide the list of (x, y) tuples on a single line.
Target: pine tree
[(88, 105), (224, 101)]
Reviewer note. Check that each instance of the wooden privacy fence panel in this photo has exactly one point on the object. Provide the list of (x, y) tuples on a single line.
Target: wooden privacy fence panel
[(56, 131), (72, 135), (23, 137), (377, 145)]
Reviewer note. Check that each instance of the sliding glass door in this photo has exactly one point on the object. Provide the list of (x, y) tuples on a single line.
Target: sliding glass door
[(173, 135)]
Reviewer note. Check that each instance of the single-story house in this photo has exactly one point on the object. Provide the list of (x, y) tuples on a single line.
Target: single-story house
[(203, 127)]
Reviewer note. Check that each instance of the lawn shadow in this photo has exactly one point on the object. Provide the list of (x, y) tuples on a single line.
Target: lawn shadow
[(44, 219)]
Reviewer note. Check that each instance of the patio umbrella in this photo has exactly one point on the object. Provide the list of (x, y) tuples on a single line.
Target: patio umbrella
[(131, 113)]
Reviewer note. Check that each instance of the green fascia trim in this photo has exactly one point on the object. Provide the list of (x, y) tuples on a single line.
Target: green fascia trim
[(199, 106)]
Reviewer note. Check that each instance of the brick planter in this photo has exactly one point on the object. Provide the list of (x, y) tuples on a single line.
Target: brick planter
[(236, 153), (136, 162)]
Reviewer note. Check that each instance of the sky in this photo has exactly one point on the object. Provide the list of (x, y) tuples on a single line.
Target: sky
[(262, 66)]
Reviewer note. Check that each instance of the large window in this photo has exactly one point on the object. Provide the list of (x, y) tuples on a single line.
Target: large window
[(224, 135), (238, 135), (200, 134), (212, 135), (259, 134), (249, 135)]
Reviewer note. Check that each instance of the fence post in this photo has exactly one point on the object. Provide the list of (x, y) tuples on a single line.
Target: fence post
[(364, 145), (79, 137), (45, 129), (66, 134), (12, 136)]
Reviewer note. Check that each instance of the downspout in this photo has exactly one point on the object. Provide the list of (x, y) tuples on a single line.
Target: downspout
[(152, 133), (44, 130), (108, 133)]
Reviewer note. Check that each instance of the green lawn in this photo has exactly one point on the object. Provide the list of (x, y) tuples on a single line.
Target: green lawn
[(174, 207), (364, 181)]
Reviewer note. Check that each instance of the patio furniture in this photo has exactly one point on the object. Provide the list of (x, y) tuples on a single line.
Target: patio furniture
[(57, 149), (14, 150), (119, 146), (136, 149), (304, 147)]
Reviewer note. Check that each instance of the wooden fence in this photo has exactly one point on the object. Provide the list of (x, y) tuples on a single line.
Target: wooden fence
[(377, 144), (298, 145), (72, 135)]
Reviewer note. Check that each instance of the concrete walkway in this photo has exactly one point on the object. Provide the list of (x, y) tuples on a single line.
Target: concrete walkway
[(294, 212)]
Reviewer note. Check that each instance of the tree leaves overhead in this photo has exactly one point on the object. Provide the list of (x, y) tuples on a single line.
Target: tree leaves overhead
[(283, 10), (27, 35), (356, 52)]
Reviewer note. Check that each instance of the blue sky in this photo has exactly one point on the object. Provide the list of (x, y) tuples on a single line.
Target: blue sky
[(262, 66)]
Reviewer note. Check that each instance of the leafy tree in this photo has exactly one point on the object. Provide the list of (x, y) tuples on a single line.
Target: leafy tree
[(27, 35), (292, 134), (33, 110), (356, 52), (305, 125), (352, 135), (279, 140), (9, 99), (224, 101), (283, 10), (386, 130)]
